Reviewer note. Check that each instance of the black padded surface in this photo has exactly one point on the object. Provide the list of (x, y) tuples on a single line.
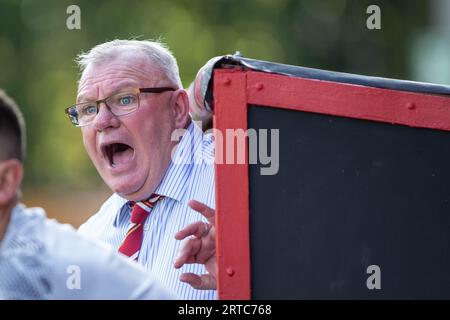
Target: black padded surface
[(349, 194)]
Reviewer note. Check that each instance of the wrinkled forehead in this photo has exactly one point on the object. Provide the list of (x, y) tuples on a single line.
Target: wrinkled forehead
[(122, 70)]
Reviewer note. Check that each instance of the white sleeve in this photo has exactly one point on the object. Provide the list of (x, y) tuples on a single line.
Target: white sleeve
[(102, 273)]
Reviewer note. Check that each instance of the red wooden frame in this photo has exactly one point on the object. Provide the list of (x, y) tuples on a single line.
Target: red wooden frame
[(234, 90)]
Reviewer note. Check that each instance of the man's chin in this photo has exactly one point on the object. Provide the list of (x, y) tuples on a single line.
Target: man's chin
[(125, 191), (131, 193), (131, 188)]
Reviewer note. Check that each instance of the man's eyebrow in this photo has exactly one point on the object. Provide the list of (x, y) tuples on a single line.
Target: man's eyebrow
[(123, 85), (81, 98), (115, 89)]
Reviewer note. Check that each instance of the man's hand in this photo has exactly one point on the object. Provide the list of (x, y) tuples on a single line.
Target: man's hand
[(200, 247)]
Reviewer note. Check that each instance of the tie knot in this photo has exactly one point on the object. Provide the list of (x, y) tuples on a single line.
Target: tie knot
[(141, 209)]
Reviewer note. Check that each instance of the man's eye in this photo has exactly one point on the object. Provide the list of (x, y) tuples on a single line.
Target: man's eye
[(126, 100), (89, 110)]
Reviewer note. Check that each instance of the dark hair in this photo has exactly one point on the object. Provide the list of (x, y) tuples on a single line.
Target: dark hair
[(12, 129)]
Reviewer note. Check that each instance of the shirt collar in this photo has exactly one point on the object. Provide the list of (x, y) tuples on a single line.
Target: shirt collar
[(174, 183)]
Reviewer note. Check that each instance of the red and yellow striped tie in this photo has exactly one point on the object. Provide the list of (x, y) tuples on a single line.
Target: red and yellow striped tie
[(131, 245)]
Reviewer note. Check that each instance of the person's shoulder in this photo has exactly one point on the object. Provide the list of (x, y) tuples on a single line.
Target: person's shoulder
[(67, 245), (61, 238), (25, 268), (73, 255), (26, 224), (28, 216)]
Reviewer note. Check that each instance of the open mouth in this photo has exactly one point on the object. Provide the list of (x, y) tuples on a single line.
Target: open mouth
[(118, 153)]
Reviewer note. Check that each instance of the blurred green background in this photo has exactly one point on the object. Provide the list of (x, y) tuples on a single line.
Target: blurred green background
[(37, 69)]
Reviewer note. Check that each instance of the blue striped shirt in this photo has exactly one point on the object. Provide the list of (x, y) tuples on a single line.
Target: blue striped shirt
[(189, 176)]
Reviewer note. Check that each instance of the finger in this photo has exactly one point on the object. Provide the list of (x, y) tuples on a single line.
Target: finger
[(187, 252), (179, 262), (197, 229), (203, 282), (203, 209)]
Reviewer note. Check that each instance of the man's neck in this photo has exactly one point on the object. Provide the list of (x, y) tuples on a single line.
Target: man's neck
[(5, 217)]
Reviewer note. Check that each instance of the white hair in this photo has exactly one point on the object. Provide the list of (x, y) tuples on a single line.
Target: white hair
[(156, 51)]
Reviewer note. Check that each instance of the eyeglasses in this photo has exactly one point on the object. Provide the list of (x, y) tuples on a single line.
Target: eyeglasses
[(120, 104)]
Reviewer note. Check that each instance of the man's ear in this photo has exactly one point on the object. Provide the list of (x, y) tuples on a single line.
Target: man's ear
[(181, 108), (11, 173)]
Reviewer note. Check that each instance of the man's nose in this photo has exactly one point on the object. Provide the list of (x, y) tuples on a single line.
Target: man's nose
[(105, 118)]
